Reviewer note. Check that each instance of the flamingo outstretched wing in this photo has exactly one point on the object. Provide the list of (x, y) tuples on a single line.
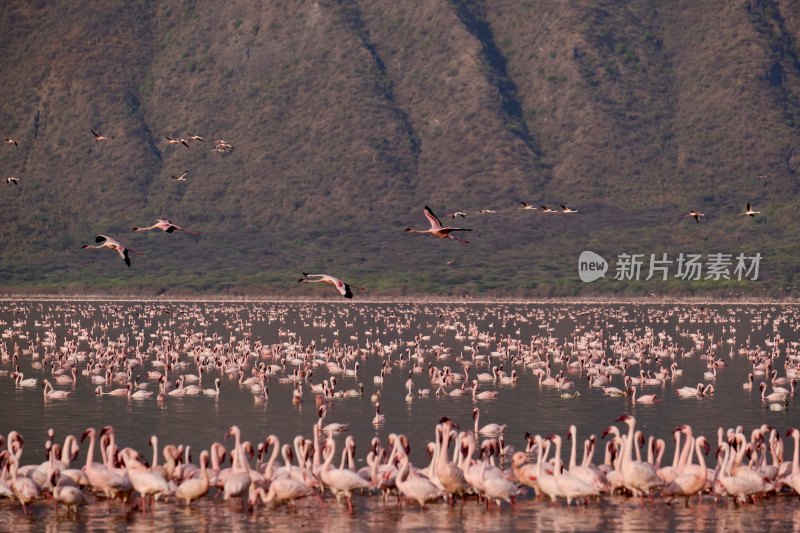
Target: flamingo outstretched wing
[(435, 222)]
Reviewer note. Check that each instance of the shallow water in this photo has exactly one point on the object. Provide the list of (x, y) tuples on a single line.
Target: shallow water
[(198, 421)]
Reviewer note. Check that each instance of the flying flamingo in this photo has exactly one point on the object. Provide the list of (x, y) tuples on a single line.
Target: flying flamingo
[(750, 211), (565, 209), (341, 286), (436, 229), (98, 137), (11, 141), (165, 225), (695, 214), (182, 177), (13, 180), (177, 141), (528, 206), (105, 241)]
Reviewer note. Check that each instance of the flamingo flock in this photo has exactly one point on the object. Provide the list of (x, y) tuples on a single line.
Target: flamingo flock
[(488, 476), (63, 349)]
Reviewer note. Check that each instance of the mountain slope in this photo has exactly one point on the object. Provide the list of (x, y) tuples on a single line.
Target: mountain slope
[(347, 117)]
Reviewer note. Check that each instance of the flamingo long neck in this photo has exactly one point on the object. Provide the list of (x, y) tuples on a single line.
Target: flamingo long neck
[(436, 446), (557, 466), (90, 453), (215, 456), (274, 457), (661, 449), (627, 453), (287, 462), (677, 455), (154, 441), (457, 449), (344, 456), (573, 433), (700, 456), (637, 447), (329, 453), (444, 447), (796, 454), (317, 448), (588, 453), (650, 440), (106, 450), (477, 417), (298, 442), (203, 470)]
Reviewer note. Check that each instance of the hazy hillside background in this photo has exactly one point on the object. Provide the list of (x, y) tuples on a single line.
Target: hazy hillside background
[(349, 116)]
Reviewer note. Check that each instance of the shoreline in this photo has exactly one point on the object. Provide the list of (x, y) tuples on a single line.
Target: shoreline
[(400, 300)]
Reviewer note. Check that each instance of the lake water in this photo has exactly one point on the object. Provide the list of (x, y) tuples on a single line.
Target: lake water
[(444, 334)]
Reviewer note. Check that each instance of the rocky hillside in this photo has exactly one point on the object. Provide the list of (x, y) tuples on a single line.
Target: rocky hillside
[(347, 117)]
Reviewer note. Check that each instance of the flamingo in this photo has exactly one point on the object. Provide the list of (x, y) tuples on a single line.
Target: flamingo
[(107, 242), (65, 491), (695, 214), (793, 479), (546, 209), (485, 395), (341, 286), (647, 399), (341, 481), (639, 476), (450, 475), (10, 141), (333, 427), (177, 141), (565, 209), (416, 487), (379, 419), (692, 481), (498, 488), (436, 229), (194, 489), (282, 490), (165, 225), (571, 487), (101, 478), (215, 390), (50, 392), (772, 397), (182, 177), (527, 206), (750, 211), (12, 180), (98, 137), (23, 488), (237, 483), (489, 429), (193, 137), (144, 482)]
